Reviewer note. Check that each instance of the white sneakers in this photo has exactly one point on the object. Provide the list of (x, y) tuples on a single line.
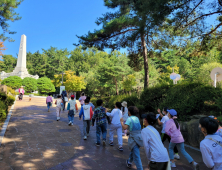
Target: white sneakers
[(58, 118), (176, 156), (69, 123), (85, 137), (195, 166), (173, 165)]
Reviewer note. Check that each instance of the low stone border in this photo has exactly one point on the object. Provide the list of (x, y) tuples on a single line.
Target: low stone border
[(4, 127)]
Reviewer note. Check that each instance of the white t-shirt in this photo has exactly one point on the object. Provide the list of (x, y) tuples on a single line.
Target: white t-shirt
[(212, 152), (164, 120), (154, 148), (125, 113), (116, 115)]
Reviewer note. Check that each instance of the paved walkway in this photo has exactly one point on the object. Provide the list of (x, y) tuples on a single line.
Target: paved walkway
[(35, 140)]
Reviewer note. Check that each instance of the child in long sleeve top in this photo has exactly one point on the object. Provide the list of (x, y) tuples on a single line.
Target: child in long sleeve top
[(87, 113), (211, 145), (101, 126), (72, 109), (116, 115)]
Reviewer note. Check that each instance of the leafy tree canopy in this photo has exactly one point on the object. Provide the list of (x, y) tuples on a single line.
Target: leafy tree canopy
[(7, 13)]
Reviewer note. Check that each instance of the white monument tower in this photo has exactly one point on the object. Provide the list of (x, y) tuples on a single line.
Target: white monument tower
[(20, 69)]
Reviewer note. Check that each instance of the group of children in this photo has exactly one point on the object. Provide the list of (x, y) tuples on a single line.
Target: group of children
[(123, 118)]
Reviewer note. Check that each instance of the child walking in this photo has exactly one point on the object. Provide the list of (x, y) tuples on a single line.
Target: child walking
[(156, 153), (116, 115), (125, 114), (135, 140), (164, 136), (59, 104), (211, 145), (49, 102), (72, 109), (101, 125), (173, 130), (87, 113)]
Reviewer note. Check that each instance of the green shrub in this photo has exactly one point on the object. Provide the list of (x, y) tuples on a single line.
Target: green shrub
[(45, 85), (30, 84), (186, 99), (13, 81), (10, 100), (10, 90)]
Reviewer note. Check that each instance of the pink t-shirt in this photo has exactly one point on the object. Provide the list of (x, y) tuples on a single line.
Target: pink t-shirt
[(173, 132), (49, 99), (82, 99), (21, 91)]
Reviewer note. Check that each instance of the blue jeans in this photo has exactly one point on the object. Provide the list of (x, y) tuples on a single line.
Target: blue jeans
[(48, 105), (135, 156), (180, 146), (101, 128), (71, 118)]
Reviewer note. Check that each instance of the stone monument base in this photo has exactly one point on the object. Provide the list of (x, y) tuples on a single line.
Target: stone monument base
[(19, 74)]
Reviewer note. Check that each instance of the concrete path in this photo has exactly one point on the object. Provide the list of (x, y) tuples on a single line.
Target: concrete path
[(35, 140)]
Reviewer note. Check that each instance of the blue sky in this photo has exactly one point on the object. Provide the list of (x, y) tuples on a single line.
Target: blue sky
[(54, 23)]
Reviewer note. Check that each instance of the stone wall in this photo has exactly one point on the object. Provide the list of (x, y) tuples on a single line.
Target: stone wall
[(3, 88)]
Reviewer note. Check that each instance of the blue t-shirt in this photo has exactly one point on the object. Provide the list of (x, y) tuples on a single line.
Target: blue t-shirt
[(136, 123)]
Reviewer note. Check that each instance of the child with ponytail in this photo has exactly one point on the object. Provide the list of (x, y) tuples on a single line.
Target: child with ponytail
[(173, 130)]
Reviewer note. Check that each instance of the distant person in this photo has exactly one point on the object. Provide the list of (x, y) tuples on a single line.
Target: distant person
[(82, 99), (156, 153), (87, 113), (59, 105), (211, 145), (49, 101), (164, 136), (92, 105), (101, 125), (64, 98), (72, 109), (21, 93), (116, 115), (173, 130), (125, 115), (135, 139)]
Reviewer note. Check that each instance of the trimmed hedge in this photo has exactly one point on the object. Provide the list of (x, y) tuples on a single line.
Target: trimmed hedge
[(186, 99)]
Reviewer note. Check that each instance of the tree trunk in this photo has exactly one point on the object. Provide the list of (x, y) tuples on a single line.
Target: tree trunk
[(117, 92), (146, 67)]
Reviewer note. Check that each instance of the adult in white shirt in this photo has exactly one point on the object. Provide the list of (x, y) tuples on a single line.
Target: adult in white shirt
[(116, 115), (125, 115), (156, 153), (164, 136), (211, 146)]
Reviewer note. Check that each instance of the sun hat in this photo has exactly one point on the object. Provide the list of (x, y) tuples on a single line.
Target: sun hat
[(124, 104), (172, 112)]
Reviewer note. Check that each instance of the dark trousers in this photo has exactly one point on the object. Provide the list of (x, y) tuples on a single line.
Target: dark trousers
[(158, 165), (164, 136), (101, 128), (64, 104)]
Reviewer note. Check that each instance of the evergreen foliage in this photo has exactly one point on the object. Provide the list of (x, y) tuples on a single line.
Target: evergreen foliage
[(7, 8), (45, 85), (14, 82), (30, 84)]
